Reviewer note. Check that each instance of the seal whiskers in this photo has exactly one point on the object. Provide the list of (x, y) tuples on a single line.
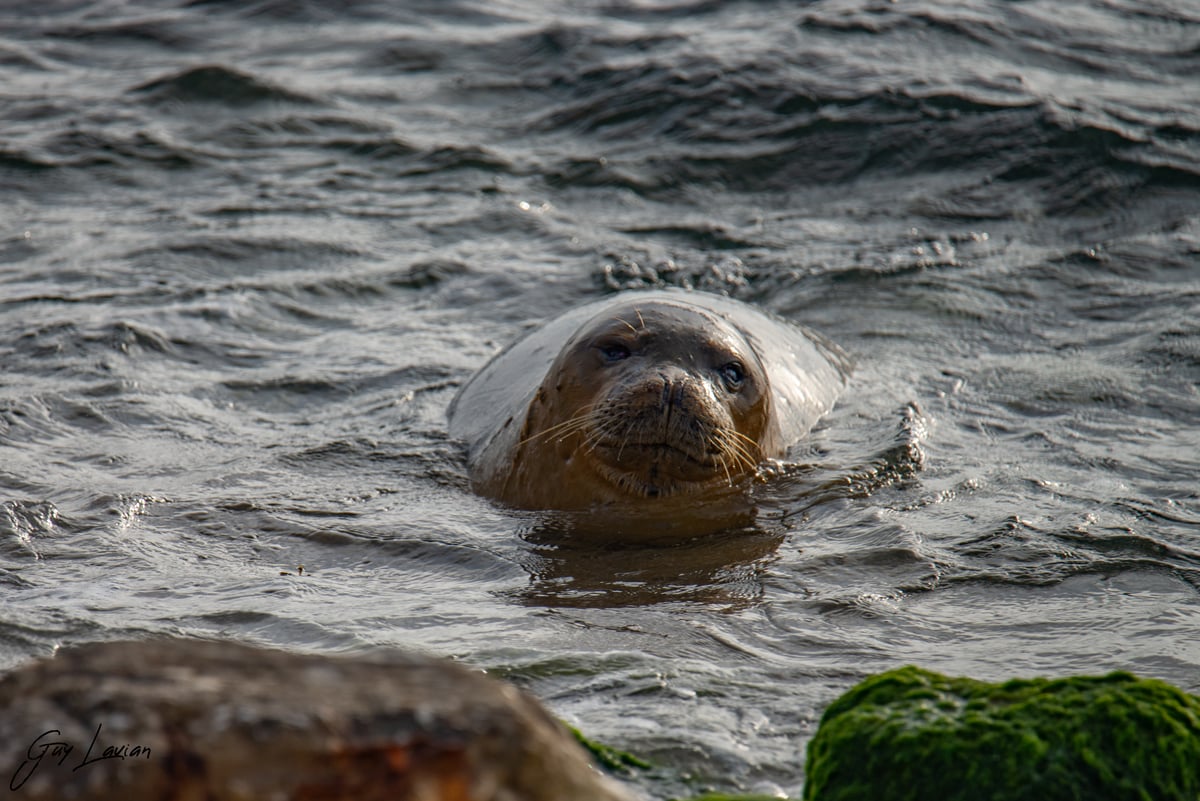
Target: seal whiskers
[(578, 422), (745, 451)]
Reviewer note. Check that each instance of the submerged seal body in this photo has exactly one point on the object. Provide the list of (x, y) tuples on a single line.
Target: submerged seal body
[(652, 404)]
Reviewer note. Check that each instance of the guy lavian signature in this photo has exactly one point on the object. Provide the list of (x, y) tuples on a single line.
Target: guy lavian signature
[(50, 747)]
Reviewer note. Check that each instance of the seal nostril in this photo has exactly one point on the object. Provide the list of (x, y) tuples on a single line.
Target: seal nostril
[(678, 394)]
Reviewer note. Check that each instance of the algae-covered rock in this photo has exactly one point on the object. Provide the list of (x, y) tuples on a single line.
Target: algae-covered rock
[(913, 734)]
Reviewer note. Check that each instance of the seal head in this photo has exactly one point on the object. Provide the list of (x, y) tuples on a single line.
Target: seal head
[(650, 405), (647, 401)]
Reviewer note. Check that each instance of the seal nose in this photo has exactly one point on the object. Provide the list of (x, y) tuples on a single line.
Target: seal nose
[(674, 383)]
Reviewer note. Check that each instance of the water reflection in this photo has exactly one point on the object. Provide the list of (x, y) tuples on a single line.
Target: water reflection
[(573, 568)]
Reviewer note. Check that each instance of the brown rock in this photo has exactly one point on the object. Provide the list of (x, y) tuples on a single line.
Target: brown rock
[(188, 720)]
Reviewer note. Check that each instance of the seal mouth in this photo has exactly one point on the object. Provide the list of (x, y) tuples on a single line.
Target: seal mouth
[(641, 453), (661, 469)]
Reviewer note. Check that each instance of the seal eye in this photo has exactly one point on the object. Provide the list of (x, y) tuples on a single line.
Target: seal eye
[(614, 352), (734, 375)]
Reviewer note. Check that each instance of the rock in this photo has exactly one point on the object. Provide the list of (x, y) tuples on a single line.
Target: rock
[(913, 734), (190, 720)]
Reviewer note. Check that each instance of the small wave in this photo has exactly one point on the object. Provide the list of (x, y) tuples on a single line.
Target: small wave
[(600, 172), (777, 121), (1177, 349), (901, 461), (14, 159), (1024, 552), (377, 146), (65, 342), (263, 12), (406, 55), (726, 275), (1035, 386), (219, 85), (159, 32), (700, 235), (424, 274), (224, 256), (24, 523), (796, 489), (85, 147)]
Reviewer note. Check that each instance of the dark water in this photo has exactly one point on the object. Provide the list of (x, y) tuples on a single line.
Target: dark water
[(250, 250)]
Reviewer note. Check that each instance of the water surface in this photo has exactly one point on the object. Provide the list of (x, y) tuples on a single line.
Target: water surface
[(251, 250)]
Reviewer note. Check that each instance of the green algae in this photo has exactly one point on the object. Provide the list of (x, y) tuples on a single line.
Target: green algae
[(623, 763), (611, 759), (913, 734), (727, 797)]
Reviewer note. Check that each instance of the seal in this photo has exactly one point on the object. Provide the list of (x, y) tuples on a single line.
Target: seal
[(647, 405)]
